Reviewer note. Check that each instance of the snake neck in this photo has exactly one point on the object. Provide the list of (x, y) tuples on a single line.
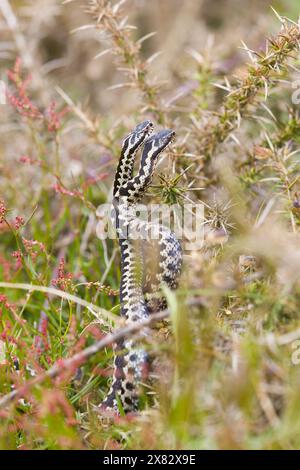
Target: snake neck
[(133, 304)]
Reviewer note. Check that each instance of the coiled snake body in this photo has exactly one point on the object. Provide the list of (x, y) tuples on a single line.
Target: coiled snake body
[(146, 264)]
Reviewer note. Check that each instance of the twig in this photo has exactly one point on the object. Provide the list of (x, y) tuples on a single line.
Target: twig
[(82, 356), (260, 76), (97, 311), (109, 18)]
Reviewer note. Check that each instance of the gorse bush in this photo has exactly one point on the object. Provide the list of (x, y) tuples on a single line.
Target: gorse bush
[(226, 361)]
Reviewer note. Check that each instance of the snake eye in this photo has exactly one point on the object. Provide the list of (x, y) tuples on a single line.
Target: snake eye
[(139, 134), (144, 126), (162, 139)]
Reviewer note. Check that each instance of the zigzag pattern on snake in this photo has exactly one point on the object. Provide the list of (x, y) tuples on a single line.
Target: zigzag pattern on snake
[(146, 264)]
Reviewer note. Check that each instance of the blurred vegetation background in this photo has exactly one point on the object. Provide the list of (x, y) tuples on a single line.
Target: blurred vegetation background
[(80, 75)]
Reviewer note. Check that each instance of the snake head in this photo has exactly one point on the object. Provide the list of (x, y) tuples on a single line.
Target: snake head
[(135, 139), (130, 146), (134, 188), (157, 143)]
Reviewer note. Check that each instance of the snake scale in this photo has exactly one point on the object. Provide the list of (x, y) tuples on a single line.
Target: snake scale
[(147, 263)]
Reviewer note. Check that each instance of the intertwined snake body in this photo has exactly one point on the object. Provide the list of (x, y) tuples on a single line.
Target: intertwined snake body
[(146, 264)]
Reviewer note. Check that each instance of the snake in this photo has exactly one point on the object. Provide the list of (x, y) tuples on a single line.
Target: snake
[(147, 263)]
